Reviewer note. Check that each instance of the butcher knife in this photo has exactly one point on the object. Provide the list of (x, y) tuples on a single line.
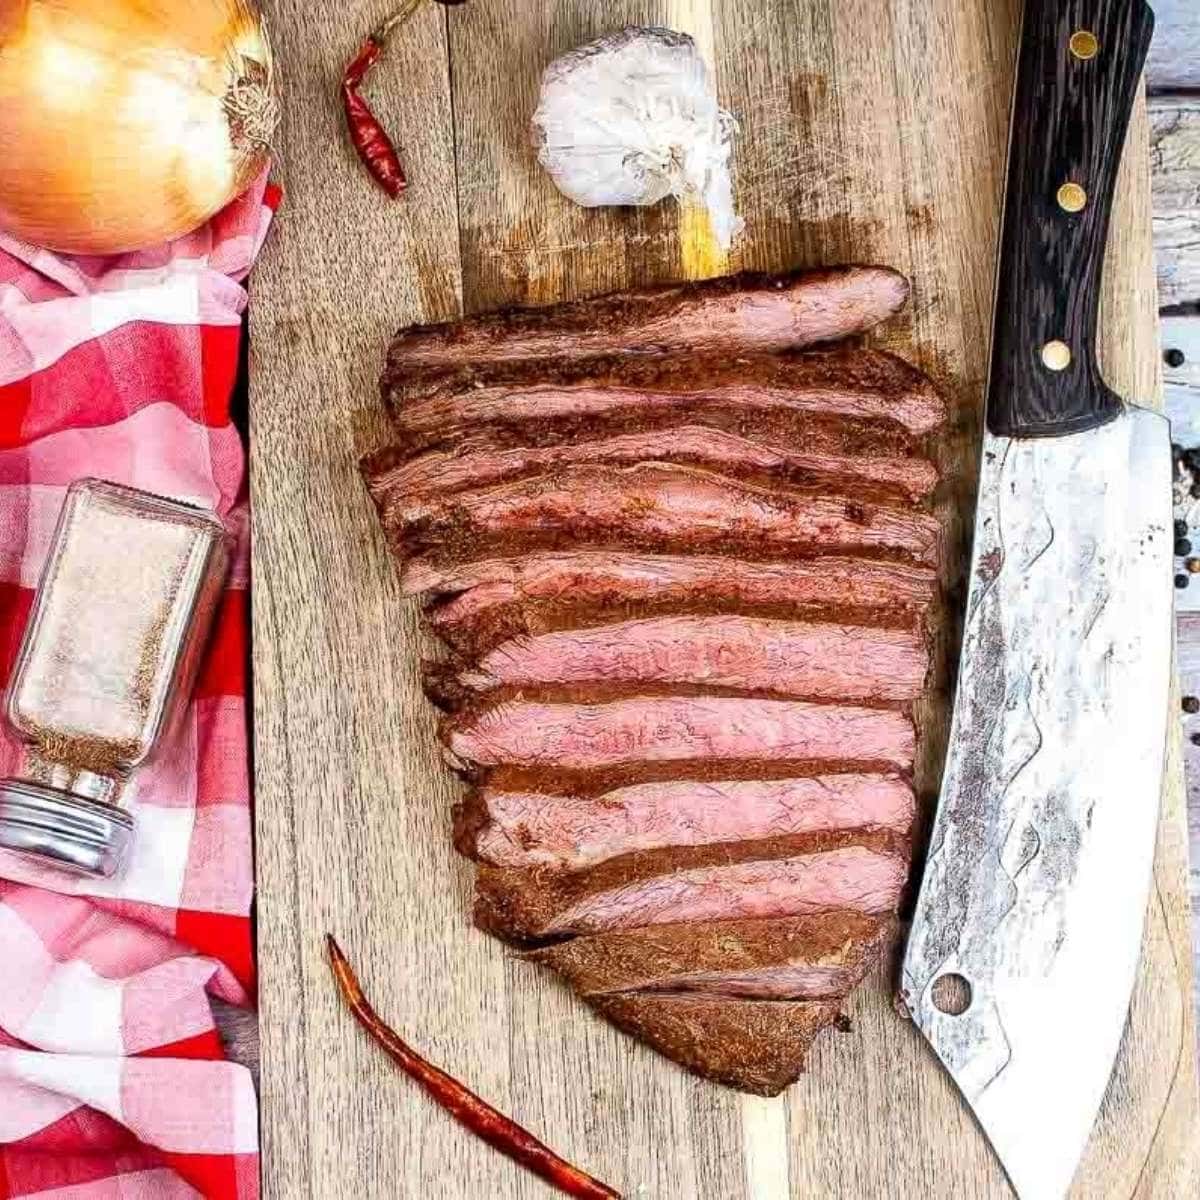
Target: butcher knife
[(1029, 922)]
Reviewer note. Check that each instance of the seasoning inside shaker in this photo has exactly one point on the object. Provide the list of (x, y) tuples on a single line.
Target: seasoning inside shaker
[(106, 665)]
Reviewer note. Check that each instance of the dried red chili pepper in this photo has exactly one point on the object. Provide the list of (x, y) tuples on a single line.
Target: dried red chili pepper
[(374, 147), (377, 151), (468, 1109), (370, 139)]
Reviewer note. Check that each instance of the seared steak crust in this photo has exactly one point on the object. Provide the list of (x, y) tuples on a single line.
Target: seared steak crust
[(699, 440), (585, 736), (757, 1046), (660, 506), (571, 831), (751, 654), (736, 314), (786, 391), (776, 877), (493, 600), (782, 958), (683, 572)]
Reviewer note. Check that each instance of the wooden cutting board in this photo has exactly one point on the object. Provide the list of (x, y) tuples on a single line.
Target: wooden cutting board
[(873, 130)]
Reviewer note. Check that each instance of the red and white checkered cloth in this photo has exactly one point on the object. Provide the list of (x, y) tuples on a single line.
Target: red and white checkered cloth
[(113, 1083)]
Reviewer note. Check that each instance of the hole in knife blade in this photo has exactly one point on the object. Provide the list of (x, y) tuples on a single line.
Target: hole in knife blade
[(952, 995)]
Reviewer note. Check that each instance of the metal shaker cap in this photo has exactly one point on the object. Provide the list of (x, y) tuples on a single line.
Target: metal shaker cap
[(70, 832)]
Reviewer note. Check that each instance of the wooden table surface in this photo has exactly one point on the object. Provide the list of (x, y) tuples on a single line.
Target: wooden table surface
[(873, 129), (1174, 78)]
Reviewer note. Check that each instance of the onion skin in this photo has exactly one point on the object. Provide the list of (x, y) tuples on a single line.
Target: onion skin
[(127, 124)]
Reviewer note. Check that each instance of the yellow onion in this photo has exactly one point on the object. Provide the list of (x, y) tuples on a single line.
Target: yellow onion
[(124, 123)]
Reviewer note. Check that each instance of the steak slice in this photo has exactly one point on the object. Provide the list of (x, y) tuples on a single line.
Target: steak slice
[(776, 877), (530, 829), (862, 385), (684, 571), (480, 461), (491, 599), (659, 506), (737, 313), (473, 631), (757, 1046), (576, 736), (787, 958), (782, 658), (560, 781), (599, 575), (787, 428)]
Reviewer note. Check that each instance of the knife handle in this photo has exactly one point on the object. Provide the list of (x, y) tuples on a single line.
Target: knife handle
[(1078, 76)]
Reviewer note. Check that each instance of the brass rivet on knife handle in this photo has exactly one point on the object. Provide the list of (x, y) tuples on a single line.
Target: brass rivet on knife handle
[(1056, 355), (1078, 77), (1072, 198), (1085, 45)]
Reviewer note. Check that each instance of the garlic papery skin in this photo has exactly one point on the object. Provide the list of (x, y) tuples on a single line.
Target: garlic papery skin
[(633, 118)]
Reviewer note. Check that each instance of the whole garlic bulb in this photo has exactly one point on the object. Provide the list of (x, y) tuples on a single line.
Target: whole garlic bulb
[(632, 118)]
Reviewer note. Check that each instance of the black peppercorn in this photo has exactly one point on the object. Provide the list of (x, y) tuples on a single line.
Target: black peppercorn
[(1181, 581), (1191, 704), (1196, 739), (1183, 548), (1181, 529)]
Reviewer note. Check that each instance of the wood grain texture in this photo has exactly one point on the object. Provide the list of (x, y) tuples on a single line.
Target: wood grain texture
[(1069, 123), (350, 799), (873, 130), (1175, 55), (238, 1030), (1175, 161), (1181, 372), (1188, 634), (1181, 347)]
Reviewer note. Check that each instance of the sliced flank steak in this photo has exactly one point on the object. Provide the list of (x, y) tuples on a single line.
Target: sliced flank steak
[(659, 506), (480, 461), (857, 385), (472, 631), (572, 831), (683, 566), (598, 575), (784, 429), (780, 877), (672, 728), (821, 957), (770, 657), (490, 600), (757, 1046), (735, 314)]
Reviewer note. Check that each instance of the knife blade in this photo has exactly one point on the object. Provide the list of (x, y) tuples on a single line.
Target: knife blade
[(1028, 925)]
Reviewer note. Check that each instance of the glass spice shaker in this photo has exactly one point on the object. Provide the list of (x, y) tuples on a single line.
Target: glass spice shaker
[(106, 666)]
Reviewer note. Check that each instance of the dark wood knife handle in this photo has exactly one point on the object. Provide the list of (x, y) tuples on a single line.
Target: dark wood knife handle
[(1078, 76)]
